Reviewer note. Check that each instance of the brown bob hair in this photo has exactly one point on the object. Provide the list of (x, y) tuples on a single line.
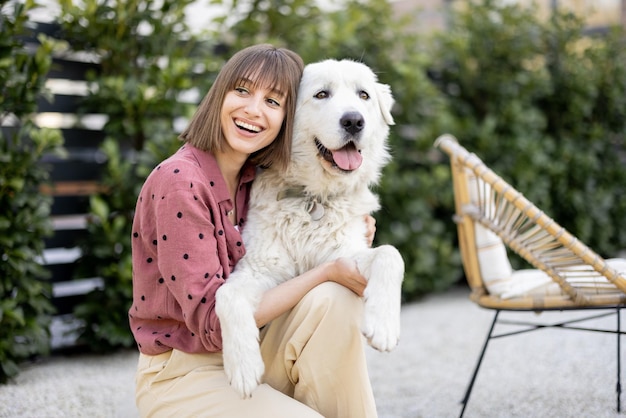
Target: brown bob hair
[(268, 66)]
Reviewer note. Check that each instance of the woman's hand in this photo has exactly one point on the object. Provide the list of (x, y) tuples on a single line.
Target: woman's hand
[(370, 225), (345, 272)]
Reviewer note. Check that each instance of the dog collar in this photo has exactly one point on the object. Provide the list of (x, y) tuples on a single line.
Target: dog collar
[(312, 205), (291, 192)]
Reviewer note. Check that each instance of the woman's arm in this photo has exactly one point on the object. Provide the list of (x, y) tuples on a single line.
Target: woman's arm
[(286, 295)]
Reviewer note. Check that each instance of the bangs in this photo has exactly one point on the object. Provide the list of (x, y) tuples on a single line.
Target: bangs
[(261, 72), (260, 66)]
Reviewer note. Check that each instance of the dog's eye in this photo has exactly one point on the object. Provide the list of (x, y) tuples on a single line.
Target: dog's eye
[(364, 95), (321, 94)]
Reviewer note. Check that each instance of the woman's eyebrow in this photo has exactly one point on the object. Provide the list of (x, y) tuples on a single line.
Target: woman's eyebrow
[(243, 81), (247, 81), (278, 92)]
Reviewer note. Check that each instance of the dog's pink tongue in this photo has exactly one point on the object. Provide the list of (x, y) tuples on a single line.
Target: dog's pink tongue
[(348, 158)]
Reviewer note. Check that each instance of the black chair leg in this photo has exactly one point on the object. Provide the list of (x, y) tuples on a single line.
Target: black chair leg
[(619, 365), (480, 360)]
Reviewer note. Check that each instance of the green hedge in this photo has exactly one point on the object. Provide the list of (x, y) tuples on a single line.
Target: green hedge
[(544, 105), (146, 58), (25, 306)]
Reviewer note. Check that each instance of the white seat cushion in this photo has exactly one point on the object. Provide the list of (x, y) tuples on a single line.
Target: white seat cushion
[(532, 282)]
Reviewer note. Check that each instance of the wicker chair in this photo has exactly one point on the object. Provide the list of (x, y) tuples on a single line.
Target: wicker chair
[(492, 215)]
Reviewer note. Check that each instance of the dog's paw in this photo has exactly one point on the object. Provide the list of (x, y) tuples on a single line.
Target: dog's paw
[(381, 321), (382, 329), (244, 374)]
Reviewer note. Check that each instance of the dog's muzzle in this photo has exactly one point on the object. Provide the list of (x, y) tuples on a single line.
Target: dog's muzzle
[(347, 158)]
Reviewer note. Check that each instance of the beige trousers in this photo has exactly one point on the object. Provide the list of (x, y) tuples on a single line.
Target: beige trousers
[(314, 366)]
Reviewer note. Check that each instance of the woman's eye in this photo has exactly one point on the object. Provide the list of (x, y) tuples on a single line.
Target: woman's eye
[(241, 90), (321, 94), (364, 95), (273, 102)]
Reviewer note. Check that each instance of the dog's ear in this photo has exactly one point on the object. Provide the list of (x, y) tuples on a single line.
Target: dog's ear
[(385, 102)]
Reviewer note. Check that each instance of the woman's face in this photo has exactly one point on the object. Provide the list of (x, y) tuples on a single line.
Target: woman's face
[(251, 116)]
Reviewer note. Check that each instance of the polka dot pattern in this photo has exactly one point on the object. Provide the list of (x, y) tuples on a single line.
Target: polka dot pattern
[(184, 247)]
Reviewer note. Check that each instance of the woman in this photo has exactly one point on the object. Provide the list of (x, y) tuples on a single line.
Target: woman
[(186, 241)]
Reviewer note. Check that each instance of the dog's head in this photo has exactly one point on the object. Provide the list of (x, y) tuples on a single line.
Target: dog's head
[(341, 127)]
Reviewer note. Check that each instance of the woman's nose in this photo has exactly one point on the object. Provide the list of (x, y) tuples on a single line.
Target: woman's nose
[(253, 105)]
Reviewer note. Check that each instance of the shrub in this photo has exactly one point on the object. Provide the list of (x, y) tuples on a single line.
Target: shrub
[(543, 104), (25, 307), (146, 58)]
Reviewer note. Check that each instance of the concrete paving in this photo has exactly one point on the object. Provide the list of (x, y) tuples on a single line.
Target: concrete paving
[(547, 373)]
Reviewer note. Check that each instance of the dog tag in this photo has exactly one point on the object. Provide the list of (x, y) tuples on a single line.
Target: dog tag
[(315, 209)]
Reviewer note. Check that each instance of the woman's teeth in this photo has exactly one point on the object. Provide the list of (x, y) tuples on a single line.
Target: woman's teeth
[(247, 126)]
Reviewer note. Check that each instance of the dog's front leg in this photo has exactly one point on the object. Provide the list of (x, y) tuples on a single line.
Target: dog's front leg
[(235, 305), (384, 268)]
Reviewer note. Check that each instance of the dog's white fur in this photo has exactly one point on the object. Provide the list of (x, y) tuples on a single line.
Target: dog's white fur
[(338, 102)]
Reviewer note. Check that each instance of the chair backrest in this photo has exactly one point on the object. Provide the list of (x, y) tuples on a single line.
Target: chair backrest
[(490, 213)]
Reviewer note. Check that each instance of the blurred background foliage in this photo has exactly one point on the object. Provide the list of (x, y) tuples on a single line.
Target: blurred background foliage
[(541, 101), (544, 105), (25, 306), (147, 58)]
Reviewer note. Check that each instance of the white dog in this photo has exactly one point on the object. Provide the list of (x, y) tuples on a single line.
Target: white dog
[(314, 212)]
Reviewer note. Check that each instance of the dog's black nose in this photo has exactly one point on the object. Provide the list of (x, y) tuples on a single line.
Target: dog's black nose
[(352, 122)]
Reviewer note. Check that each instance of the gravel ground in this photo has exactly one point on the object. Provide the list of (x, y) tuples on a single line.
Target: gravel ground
[(548, 373)]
